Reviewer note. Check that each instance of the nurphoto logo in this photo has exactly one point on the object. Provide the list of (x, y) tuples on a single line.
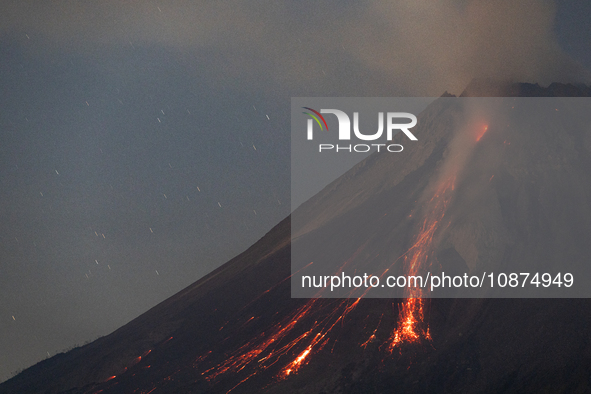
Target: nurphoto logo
[(344, 132)]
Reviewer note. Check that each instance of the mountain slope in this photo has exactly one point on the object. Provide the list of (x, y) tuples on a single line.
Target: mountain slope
[(238, 329)]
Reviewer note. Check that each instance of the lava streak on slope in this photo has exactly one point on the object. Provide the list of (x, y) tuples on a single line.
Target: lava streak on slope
[(411, 319), (484, 129), (279, 342), (268, 348)]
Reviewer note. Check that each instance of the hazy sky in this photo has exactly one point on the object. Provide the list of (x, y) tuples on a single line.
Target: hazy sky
[(143, 144)]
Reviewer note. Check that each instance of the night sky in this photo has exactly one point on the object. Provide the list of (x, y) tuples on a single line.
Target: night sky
[(143, 144)]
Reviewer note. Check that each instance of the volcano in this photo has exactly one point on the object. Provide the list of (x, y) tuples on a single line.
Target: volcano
[(238, 330)]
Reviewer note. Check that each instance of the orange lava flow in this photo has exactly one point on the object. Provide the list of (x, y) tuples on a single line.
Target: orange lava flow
[(250, 351), (372, 337), (297, 363), (265, 350), (280, 342), (411, 325)]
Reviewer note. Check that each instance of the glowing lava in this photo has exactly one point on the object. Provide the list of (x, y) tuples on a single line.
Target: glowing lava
[(411, 326), (278, 342), (482, 132), (265, 350), (297, 363), (250, 351)]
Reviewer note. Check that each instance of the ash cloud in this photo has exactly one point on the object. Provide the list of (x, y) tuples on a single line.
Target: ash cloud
[(450, 42), (410, 47)]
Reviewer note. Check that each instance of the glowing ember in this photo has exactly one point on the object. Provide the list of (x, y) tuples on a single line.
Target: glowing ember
[(409, 324), (483, 131), (297, 363)]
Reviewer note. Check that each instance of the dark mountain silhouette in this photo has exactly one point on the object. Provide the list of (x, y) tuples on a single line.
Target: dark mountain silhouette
[(238, 330)]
